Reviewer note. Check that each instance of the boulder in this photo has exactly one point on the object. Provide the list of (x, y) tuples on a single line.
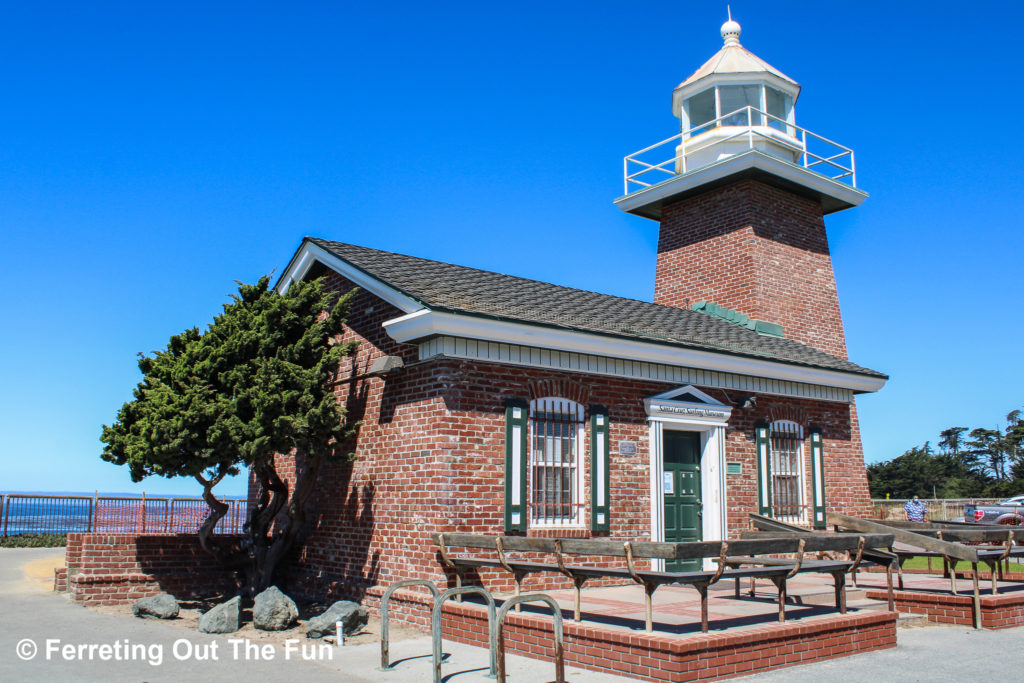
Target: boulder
[(161, 606), (352, 615), (274, 611), (224, 618)]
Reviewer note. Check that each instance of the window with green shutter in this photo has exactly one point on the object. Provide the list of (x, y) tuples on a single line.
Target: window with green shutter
[(516, 427), (599, 469), (818, 478), (764, 485)]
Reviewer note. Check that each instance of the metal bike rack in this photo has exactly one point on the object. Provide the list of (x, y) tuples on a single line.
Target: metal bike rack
[(499, 633), (384, 660), (435, 627)]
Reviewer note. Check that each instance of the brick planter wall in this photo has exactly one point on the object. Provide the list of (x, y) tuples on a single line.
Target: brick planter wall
[(997, 611), (116, 568), (663, 657)]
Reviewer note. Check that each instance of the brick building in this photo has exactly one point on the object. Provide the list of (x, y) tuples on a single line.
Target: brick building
[(491, 403)]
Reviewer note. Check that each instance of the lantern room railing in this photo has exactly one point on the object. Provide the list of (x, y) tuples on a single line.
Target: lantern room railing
[(649, 166)]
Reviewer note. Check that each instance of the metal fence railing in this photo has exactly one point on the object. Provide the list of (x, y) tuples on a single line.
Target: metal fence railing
[(60, 514), (939, 509), (747, 126)]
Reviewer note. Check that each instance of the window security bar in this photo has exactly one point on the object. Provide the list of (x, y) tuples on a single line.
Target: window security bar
[(555, 445)]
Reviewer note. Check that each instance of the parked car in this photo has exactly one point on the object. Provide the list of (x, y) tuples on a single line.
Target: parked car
[(1009, 511)]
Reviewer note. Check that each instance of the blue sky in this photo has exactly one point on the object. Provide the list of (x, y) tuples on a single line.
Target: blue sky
[(151, 154)]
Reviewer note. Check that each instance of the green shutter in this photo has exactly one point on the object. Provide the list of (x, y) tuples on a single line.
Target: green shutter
[(818, 477), (517, 414), (762, 445), (599, 469)]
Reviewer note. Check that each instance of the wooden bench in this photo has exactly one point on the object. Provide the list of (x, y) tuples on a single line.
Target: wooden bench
[(736, 559), (948, 541)]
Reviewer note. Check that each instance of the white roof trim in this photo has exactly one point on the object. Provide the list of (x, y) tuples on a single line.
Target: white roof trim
[(687, 389), (309, 253), (425, 323)]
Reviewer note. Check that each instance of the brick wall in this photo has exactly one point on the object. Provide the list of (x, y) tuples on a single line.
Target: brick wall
[(116, 568), (756, 249)]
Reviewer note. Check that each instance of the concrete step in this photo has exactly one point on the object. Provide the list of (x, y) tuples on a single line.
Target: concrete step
[(908, 620)]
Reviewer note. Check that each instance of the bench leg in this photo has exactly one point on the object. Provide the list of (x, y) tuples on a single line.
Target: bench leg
[(840, 580), (992, 567), (737, 580), (952, 575), (518, 578), (888, 584), (458, 584), (753, 583), (649, 589), (780, 585), (977, 596), (702, 588), (899, 571), (577, 585)]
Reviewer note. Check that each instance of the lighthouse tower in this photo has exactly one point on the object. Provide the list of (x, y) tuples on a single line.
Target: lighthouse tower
[(741, 194)]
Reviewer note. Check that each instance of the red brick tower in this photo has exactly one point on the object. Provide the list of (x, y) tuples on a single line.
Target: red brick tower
[(741, 201)]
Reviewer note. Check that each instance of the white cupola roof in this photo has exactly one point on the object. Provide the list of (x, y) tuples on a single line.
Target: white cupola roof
[(733, 63)]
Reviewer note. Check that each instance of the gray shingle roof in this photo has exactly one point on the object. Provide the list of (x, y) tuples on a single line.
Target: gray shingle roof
[(457, 289)]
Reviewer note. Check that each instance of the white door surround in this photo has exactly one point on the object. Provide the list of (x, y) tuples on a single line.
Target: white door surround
[(691, 410)]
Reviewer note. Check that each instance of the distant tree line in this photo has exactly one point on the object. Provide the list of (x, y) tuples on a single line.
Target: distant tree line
[(979, 462)]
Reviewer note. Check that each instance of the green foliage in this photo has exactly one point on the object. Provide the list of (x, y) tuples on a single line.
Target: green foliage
[(34, 541), (257, 382), (978, 462)]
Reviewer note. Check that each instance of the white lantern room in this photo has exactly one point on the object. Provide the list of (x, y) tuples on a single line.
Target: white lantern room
[(733, 103)]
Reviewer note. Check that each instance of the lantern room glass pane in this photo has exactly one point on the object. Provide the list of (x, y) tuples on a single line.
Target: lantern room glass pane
[(733, 97), (778, 103), (700, 109)]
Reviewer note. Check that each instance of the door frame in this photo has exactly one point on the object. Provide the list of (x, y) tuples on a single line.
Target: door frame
[(691, 410)]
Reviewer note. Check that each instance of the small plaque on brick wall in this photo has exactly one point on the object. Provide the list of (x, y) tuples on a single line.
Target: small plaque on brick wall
[(627, 448)]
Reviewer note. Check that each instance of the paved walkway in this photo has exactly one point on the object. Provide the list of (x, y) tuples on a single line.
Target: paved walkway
[(34, 613)]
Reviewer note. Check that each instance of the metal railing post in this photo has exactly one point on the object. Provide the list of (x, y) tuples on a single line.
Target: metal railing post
[(435, 627), (385, 664), (5, 502), (556, 613)]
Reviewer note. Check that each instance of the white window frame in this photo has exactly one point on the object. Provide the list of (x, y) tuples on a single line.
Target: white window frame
[(577, 508), (790, 116), (790, 426)]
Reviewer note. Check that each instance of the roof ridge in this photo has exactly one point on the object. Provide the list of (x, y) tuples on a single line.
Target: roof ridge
[(515, 277)]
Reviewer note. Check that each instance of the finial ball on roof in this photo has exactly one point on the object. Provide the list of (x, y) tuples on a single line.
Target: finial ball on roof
[(731, 32)]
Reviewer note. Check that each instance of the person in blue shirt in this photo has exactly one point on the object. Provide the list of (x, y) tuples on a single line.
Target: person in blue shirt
[(916, 510)]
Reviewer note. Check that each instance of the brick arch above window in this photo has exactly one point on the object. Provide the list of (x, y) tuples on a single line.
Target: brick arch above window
[(560, 387), (787, 413)]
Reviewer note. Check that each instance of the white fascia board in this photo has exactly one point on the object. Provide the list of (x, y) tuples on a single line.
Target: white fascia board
[(424, 323), (735, 164), (309, 253)]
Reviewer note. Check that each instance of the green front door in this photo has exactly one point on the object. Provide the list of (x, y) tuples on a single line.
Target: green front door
[(680, 481)]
